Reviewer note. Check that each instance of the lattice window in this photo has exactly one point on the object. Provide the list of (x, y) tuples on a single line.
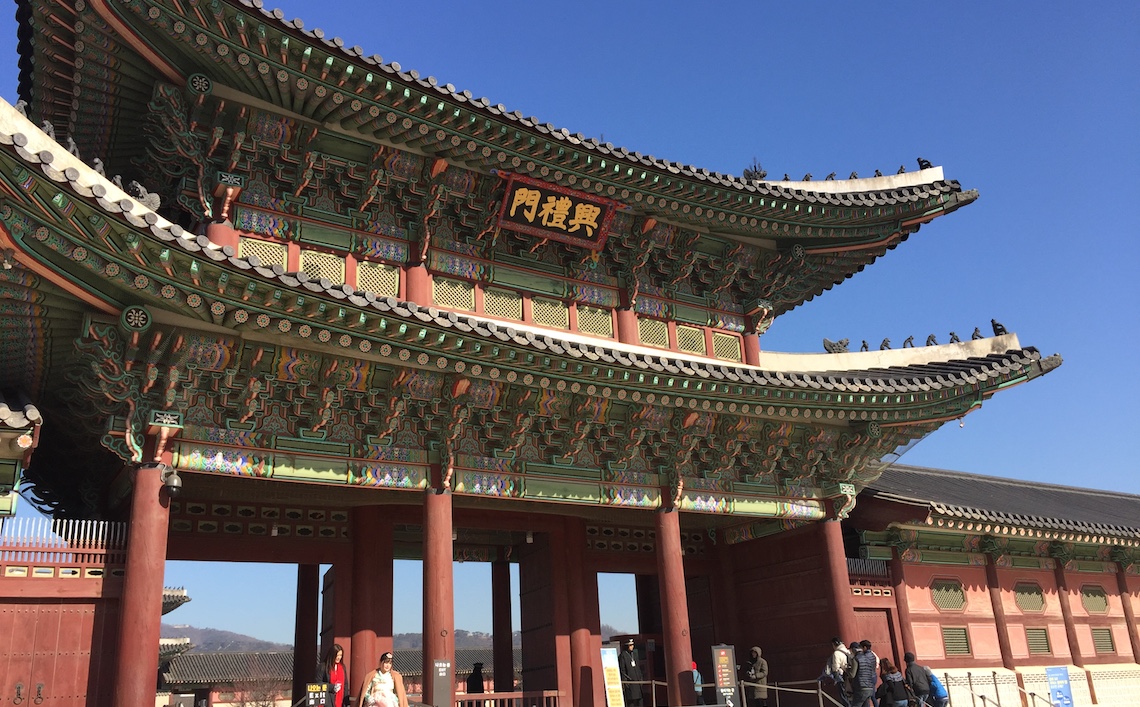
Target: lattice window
[(726, 346), (503, 304), (691, 339), (593, 320), (955, 640), (453, 294), (378, 278), (269, 254), (1102, 640), (947, 594), (316, 265), (1038, 641), (1029, 597), (1094, 599), (550, 312), (653, 332)]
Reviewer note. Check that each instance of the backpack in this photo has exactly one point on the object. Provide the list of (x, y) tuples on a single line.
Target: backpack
[(852, 667)]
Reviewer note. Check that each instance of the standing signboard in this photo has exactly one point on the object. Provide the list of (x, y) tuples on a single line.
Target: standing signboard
[(441, 682), (317, 695), (1060, 692), (724, 671), (611, 675)]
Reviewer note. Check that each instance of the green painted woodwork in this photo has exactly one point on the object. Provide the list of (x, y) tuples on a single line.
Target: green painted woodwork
[(299, 468), (527, 282), (562, 490), (878, 553), (317, 234)]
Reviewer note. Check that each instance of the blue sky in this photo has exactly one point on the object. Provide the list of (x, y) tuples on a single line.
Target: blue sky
[(1034, 105)]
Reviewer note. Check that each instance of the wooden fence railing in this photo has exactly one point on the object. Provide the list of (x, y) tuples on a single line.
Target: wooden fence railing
[(47, 547)]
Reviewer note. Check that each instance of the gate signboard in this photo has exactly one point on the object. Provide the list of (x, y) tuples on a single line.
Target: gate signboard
[(724, 672)]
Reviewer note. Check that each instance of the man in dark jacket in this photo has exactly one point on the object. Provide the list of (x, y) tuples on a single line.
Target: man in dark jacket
[(916, 679), (629, 667)]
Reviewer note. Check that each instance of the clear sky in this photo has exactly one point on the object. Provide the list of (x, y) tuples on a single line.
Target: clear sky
[(1034, 105)]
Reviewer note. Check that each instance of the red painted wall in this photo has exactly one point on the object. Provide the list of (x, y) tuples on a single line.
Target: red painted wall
[(782, 597)]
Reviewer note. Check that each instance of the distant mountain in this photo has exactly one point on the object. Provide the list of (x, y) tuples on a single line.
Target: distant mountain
[(212, 640)]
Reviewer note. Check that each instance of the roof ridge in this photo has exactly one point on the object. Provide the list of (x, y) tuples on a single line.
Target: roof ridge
[(1007, 481)]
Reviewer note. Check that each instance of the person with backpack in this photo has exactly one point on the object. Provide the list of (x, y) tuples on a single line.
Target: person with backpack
[(916, 679), (836, 668), (939, 696)]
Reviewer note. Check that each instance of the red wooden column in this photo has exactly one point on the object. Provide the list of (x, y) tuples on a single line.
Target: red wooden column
[(674, 609), (902, 604), (627, 326), (141, 607), (1067, 611), (418, 288), (371, 592), (1000, 622), (751, 348), (439, 594), (831, 536), (585, 667), (1129, 611), (502, 632), (305, 629)]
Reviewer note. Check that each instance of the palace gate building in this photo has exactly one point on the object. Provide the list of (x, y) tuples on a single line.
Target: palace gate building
[(360, 316)]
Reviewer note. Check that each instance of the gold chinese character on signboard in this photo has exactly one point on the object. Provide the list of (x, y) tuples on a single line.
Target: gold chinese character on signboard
[(586, 216), (554, 212), (527, 198)]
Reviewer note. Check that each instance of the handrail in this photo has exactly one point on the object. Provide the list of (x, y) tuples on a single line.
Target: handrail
[(1033, 697)]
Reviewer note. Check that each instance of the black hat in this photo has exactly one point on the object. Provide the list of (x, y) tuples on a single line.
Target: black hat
[(386, 655), (629, 642)]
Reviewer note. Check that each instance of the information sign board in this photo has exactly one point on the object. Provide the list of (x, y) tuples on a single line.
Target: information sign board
[(724, 672)]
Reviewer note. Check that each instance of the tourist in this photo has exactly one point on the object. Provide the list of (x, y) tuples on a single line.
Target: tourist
[(836, 668), (383, 687), (630, 669), (332, 672), (865, 645), (863, 686), (939, 696), (697, 684), (916, 679), (475, 680), (893, 688), (756, 672)]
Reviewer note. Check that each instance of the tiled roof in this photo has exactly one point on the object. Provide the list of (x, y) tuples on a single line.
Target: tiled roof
[(229, 668), (34, 147), (1014, 502), (17, 412), (172, 598), (170, 647), (874, 191)]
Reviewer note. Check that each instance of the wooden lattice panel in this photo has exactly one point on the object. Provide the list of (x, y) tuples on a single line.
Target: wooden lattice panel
[(691, 339), (597, 321), (948, 595), (319, 265), (453, 294), (503, 304), (378, 278), (1029, 597), (1094, 599), (550, 313), (1102, 641), (269, 254), (1038, 641), (955, 640), (653, 332), (726, 346)]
